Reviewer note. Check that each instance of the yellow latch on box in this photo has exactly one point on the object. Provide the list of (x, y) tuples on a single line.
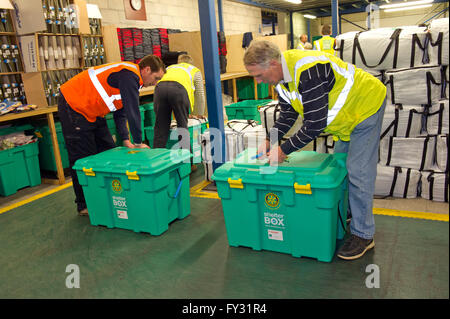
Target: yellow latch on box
[(88, 171), (133, 175), (235, 183), (302, 189)]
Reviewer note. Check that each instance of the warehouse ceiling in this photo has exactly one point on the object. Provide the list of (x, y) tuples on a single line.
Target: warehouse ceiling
[(315, 7), (319, 8)]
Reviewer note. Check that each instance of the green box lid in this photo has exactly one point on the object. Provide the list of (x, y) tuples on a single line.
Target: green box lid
[(320, 170), (141, 161)]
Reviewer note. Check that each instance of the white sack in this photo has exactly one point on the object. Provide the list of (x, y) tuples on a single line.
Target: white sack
[(269, 113), (402, 120), (438, 118), (434, 186), (442, 145), (439, 41), (415, 86), (397, 182), (402, 47), (412, 152)]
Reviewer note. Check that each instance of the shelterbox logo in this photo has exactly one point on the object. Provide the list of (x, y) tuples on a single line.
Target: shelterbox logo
[(116, 186), (272, 201)]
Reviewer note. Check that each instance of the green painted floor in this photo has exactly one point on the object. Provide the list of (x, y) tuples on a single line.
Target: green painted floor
[(193, 260)]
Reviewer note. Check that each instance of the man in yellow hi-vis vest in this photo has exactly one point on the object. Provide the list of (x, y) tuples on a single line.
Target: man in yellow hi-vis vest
[(326, 42), (179, 91), (331, 96)]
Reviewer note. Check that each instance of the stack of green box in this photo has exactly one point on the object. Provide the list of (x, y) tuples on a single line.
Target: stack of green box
[(112, 126), (46, 153), (246, 89), (19, 166), (245, 110), (149, 122)]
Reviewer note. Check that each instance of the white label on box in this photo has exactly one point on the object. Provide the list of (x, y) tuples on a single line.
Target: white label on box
[(122, 214), (275, 234)]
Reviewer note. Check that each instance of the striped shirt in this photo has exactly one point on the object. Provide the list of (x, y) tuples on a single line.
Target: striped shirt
[(314, 87)]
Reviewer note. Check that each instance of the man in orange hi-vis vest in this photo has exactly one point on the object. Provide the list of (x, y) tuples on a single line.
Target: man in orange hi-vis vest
[(90, 95)]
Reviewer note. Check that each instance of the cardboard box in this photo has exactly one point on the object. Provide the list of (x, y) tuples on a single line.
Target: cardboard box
[(30, 55), (28, 16)]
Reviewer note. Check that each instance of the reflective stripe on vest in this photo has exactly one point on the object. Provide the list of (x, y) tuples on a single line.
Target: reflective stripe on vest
[(347, 74), (93, 75)]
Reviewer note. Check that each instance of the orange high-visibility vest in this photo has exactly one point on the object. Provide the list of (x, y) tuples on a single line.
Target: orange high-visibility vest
[(89, 93)]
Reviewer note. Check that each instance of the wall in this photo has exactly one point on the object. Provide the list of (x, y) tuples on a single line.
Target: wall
[(181, 14)]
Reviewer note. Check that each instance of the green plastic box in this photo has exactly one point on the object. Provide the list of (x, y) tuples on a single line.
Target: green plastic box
[(246, 89), (136, 189), (196, 128), (292, 208), (112, 126), (19, 168), (245, 110), (149, 115), (46, 153)]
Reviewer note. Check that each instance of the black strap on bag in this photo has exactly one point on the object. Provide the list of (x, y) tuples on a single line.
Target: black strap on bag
[(394, 40), (446, 186), (424, 153), (341, 50), (391, 141), (425, 57), (430, 180), (444, 82), (391, 83), (438, 43), (440, 114), (394, 181), (394, 124), (431, 80), (405, 189)]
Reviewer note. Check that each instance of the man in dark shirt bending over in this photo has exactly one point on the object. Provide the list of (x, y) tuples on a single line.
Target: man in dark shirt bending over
[(90, 95)]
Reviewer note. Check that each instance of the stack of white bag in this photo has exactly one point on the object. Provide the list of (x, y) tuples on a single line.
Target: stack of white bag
[(413, 64), (270, 112)]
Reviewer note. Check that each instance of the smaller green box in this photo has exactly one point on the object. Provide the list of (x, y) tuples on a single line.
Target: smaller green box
[(246, 89), (112, 126), (245, 110), (46, 153), (19, 168), (136, 189), (149, 115)]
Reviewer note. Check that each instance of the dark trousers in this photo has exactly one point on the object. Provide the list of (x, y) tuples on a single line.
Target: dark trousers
[(171, 97), (82, 139)]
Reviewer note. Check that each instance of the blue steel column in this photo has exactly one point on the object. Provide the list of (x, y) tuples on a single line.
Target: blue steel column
[(211, 65), (221, 28), (308, 24), (291, 28), (334, 14)]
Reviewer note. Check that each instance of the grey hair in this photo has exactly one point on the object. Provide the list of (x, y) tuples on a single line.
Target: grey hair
[(261, 53), (186, 58)]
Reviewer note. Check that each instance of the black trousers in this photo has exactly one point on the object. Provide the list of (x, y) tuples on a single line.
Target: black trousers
[(171, 97), (82, 139)]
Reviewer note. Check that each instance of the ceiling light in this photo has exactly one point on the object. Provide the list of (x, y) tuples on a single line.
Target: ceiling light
[(309, 16), (295, 1), (408, 8), (405, 4)]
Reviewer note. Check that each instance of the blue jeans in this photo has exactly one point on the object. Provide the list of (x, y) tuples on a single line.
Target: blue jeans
[(362, 159)]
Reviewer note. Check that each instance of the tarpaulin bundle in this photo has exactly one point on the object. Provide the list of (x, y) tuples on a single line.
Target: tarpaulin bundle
[(164, 37), (127, 40), (137, 45), (222, 51), (157, 50), (119, 36), (147, 42)]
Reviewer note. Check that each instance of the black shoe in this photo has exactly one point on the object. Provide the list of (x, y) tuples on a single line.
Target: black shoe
[(355, 247)]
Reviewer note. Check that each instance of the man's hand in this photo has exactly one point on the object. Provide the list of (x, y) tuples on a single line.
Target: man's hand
[(276, 156), (141, 145), (263, 149), (128, 144)]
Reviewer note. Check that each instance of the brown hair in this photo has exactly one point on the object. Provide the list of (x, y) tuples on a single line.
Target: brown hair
[(154, 62), (326, 29)]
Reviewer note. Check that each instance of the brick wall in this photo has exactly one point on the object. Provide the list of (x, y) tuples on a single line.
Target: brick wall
[(181, 14)]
